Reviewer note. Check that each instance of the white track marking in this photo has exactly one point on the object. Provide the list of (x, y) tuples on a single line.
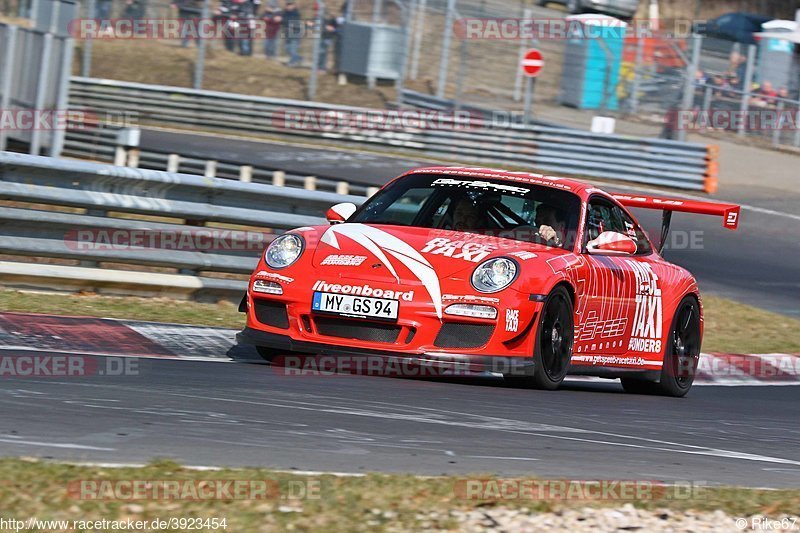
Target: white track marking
[(17, 440), (506, 425), (501, 458), (489, 423)]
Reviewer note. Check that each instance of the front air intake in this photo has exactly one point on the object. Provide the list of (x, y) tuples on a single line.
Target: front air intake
[(460, 335)]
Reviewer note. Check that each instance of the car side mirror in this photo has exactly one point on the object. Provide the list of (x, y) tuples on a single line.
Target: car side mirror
[(611, 243), (340, 212)]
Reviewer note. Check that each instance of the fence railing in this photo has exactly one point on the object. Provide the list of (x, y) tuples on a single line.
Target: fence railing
[(100, 143), (450, 136), (148, 231), (751, 113)]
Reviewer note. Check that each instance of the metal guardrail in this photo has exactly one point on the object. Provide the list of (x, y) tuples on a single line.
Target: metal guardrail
[(429, 101), (98, 198), (99, 143), (539, 148)]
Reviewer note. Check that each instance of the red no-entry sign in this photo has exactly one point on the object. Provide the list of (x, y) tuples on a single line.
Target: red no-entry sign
[(532, 63)]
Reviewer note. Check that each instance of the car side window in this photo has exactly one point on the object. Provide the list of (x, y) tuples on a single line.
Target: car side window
[(605, 216), (633, 231)]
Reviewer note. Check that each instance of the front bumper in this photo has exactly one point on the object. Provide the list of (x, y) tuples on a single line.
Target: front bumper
[(448, 363)]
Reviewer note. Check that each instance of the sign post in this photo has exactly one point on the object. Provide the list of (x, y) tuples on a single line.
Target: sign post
[(532, 63)]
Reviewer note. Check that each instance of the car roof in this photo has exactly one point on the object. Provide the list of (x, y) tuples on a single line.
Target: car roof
[(567, 184)]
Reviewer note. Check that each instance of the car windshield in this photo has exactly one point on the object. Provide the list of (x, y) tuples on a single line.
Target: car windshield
[(503, 208)]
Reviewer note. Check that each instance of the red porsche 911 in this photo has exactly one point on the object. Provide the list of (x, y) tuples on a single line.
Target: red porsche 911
[(531, 276)]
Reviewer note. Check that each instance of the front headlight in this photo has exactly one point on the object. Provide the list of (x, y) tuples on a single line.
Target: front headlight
[(495, 274), (284, 250)]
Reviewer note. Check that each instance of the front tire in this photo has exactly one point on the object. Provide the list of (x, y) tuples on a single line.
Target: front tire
[(680, 357), (554, 340)]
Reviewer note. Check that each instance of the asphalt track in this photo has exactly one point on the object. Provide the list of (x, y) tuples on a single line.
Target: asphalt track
[(757, 264), (243, 413), (210, 413)]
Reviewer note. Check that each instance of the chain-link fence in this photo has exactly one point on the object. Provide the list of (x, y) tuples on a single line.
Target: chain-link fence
[(427, 46)]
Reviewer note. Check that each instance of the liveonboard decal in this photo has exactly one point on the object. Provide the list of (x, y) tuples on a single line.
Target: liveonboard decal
[(379, 243)]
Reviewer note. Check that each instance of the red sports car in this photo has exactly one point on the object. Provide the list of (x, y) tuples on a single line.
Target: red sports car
[(532, 276)]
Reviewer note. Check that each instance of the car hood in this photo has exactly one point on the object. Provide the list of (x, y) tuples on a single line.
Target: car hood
[(407, 254)]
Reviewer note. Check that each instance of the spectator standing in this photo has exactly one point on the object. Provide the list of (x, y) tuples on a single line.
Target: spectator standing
[(135, 9), (188, 9), (102, 9), (738, 70), (272, 26), (292, 27), (330, 30)]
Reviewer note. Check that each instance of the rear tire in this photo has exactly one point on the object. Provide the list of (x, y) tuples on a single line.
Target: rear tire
[(554, 340), (680, 357)]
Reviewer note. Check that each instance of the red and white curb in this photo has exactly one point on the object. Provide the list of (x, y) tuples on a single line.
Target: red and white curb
[(129, 338)]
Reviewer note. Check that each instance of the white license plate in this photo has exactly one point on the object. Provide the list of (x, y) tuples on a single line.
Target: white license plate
[(356, 306)]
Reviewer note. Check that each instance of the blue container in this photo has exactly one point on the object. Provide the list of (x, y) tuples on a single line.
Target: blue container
[(592, 59)]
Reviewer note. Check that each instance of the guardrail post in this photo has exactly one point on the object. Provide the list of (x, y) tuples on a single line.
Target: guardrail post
[(371, 191), (797, 128), (419, 33), (7, 75), (200, 62), (310, 183), (211, 169), (637, 75), (687, 102), (246, 173), (444, 60), (707, 99), (86, 63), (62, 98), (279, 178), (523, 46), (42, 83), (133, 158), (342, 188), (120, 156), (747, 86), (776, 133), (173, 162)]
